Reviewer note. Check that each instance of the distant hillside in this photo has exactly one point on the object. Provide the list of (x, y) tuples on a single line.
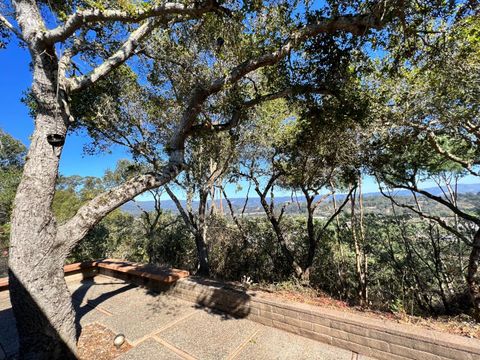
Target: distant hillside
[(373, 200)]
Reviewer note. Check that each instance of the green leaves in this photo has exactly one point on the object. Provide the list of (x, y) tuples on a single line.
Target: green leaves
[(429, 112), (12, 152), (12, 158)]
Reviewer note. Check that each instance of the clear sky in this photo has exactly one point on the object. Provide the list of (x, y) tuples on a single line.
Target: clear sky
[(15, 78), (14, 119)]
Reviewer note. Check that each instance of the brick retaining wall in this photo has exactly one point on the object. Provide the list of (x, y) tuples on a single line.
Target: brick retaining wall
[(368, 336)]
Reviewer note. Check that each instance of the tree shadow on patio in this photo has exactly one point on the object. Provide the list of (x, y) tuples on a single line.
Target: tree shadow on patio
[(83, 308), (224, 299)]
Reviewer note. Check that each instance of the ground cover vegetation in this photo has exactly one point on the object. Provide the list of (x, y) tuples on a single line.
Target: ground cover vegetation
[(300, 96)]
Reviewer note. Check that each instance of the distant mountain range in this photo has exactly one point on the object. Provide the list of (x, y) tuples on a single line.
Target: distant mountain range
[(254, 206)]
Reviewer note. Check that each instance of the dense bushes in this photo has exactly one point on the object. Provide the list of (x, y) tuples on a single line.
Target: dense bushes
[(412, 266)]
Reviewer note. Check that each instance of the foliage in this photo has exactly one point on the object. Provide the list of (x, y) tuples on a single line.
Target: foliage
[(431, 110), (12, 157)]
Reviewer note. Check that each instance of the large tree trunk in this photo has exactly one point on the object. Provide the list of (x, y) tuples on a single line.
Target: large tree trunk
[(473, 280), (43, 311), (40, 298)]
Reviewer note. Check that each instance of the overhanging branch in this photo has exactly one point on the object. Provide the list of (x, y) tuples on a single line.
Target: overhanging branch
[(119, 57), (86, 17), (96, 209), (422, 214), (236, 114), (354, 24)]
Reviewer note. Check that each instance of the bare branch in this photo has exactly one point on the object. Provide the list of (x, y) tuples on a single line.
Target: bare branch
[(246, 198), (422, 214), (282, 210), (188, 220), (336, 213), (444, 202), (234, 216)]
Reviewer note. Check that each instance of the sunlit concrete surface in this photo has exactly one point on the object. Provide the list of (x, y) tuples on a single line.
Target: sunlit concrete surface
[(161, 326)]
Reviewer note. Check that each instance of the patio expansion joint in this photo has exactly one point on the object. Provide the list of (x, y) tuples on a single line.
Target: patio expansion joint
[(179, 352), (240, 347), (165, 327), (96, 307)]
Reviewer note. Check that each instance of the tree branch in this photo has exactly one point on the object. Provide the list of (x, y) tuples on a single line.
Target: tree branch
[(442, 201), (87, 17), (465, 164), (119, 57), (237, 112), (355, 24), (7, 24), (422, 214), (190, 224), (336, 213), (96, 209)]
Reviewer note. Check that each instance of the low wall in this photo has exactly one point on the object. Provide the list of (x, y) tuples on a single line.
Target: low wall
[(384, 340), (158, 279), (139, 274), (368, 336), (73, 272)]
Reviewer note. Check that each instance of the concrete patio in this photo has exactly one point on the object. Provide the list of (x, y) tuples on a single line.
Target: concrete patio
[(161, 326)]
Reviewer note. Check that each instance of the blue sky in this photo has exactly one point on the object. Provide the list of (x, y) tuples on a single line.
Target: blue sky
[(14, 119)]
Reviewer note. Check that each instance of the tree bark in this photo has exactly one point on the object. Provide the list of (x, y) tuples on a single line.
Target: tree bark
[(201, 235), (39, 295), (473, 280), (203, 268), (38, 292), (312, 240), (274, 220), (43, 310)]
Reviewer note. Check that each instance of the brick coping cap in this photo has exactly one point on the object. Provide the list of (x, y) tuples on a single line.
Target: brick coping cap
[(166, 275)]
